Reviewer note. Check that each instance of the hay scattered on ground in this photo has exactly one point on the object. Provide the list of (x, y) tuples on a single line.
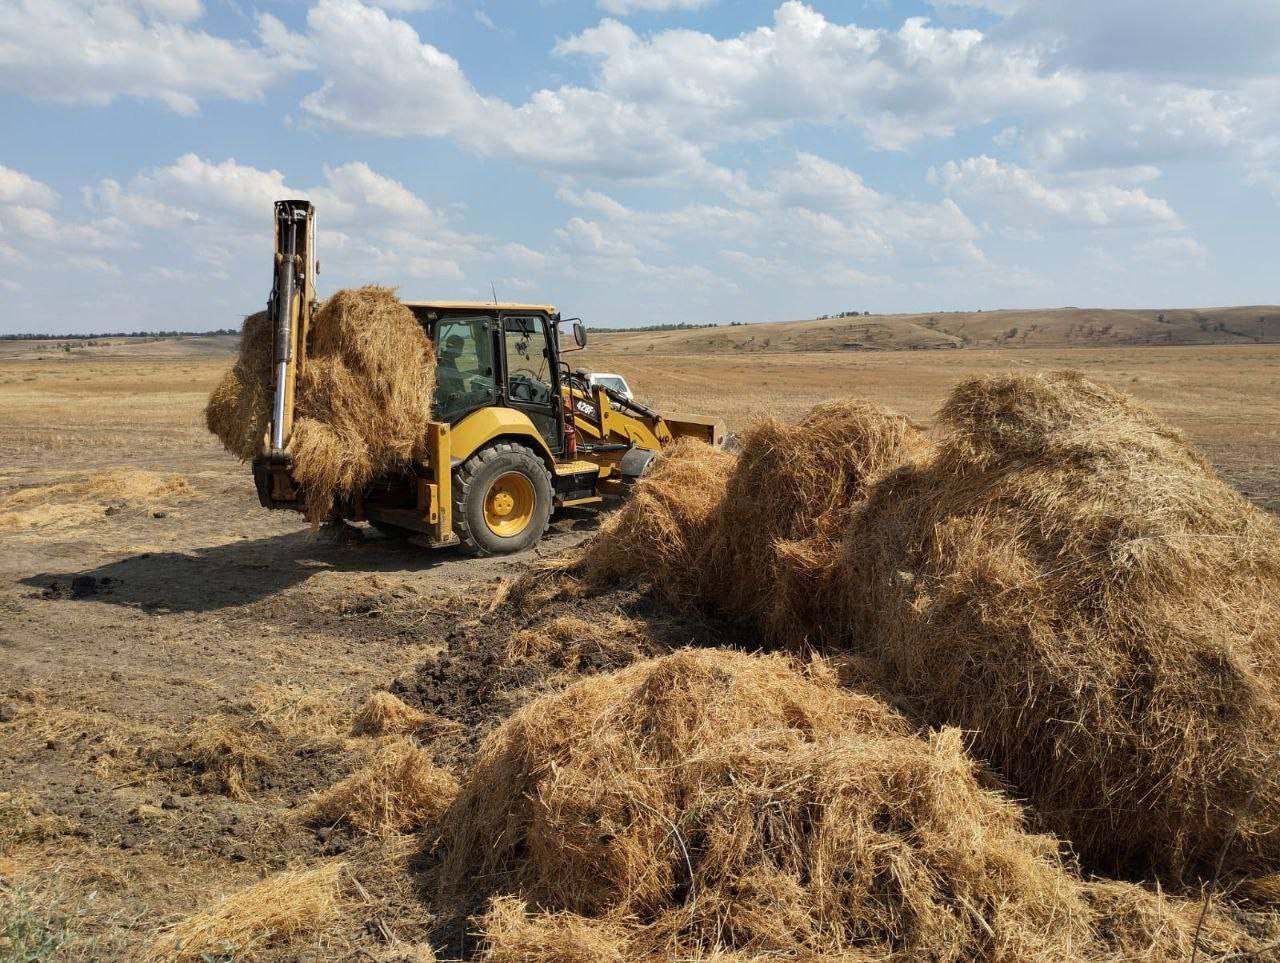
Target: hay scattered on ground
[(85, 498), (1072, 582), (224, 757), (399, 790), (363, 395), (774, 540), (659, 531), (515, 934), (716, 805), (283, 908), (576, 645), (385, 715), (24, 819), (299, 713)]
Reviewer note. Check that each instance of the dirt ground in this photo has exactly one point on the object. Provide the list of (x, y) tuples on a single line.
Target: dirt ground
[(149, 608)]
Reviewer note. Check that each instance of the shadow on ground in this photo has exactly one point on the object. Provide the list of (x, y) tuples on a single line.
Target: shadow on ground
[(237, 573), (249, 570)]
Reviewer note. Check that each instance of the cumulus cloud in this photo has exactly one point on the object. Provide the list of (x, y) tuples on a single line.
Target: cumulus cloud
[(19, 188), (377, 228), (380, 78), (660, 104), (1171, 38), (27, 212), (95, 51), (895, 85), (811, 222), (623, 7), (1018, 196)]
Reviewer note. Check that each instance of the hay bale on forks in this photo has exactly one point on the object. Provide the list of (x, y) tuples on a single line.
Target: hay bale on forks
[(713, 805), (363, 395), (1074, 584)]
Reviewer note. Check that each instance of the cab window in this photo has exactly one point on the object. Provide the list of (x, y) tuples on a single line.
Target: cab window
[(465, 377), (528, 361)]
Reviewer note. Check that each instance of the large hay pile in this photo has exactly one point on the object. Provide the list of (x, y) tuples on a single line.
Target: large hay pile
[(363, 394), (1072, 582), (722, 806), (659, 532), (774, 539), (1062, 574)]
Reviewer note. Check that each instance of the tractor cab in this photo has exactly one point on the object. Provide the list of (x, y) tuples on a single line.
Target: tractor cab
[(504, 355)]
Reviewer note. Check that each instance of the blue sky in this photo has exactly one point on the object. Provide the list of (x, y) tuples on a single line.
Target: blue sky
[(639, 161)]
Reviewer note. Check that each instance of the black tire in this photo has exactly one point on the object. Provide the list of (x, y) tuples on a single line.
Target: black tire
[(472, 481)]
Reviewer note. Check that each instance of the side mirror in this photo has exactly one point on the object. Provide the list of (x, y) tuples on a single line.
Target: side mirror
[(579, 334)]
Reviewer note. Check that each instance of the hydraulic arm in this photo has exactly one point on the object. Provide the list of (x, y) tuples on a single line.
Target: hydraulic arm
[(290, 306)]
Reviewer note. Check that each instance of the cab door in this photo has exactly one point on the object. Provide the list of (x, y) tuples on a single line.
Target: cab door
[(466, 373), (531, 378)]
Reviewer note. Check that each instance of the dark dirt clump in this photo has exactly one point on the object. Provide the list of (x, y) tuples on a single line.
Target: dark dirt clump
[(544, 635)]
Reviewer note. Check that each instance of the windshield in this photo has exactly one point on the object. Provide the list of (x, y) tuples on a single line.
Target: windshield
[(528, 361), (616, 384)]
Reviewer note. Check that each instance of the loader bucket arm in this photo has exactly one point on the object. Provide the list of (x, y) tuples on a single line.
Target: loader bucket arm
[(290, 307)]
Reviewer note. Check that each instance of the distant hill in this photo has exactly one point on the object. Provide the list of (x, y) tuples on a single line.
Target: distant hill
[(1075, 327)]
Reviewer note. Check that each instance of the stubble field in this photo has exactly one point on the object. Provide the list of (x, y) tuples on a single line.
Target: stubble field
[(155, 623)]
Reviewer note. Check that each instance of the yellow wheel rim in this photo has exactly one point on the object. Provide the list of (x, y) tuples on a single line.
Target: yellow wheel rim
[(508, 505)]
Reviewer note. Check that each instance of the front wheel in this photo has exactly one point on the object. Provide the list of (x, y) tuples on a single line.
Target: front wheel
[(501, 500)]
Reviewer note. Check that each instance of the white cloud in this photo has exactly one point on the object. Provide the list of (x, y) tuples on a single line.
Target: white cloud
[(825, 206), (356, 187), (35, 233), (894, 85), (94, 51), (92, 264), (588, 238), (1173, 253), (660, 104), (1006, 137), (406, 6), (624, 7), (1019, 196), (814, 224), (378, 229), (1126, 121), (1187, 38), (655, 229), (194, 186), (19, 188), (380, 78), (37, 224)]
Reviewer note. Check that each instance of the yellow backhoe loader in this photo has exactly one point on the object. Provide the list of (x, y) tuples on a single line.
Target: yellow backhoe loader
[(515, 434)]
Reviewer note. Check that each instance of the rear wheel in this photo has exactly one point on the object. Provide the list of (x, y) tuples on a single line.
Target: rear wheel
[(501, 500)]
